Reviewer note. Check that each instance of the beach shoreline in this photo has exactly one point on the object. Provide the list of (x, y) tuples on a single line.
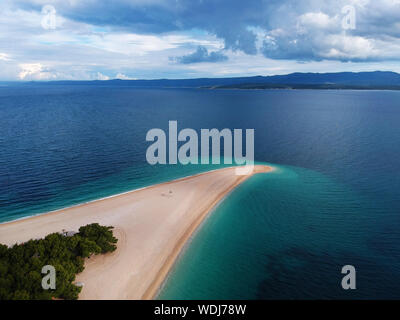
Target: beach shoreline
[(152, 224), (77, 205)]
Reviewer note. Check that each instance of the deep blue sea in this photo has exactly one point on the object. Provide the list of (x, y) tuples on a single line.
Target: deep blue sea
[(334, 200)]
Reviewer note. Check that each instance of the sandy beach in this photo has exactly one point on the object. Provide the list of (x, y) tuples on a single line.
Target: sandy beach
[(152, 226)]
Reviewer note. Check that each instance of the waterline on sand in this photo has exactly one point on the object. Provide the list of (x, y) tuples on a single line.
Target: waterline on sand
[(152, 225)]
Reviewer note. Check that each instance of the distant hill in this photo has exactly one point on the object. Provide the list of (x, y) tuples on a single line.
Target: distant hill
[(340, 80)]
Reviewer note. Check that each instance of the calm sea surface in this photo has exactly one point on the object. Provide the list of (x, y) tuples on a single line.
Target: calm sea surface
[(334, 200)]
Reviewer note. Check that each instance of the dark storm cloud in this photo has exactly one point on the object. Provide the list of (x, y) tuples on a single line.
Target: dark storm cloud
[(201, 55), (297, 30)]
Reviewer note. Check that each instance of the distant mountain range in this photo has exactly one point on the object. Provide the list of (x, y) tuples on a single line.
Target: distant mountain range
[(341, 80)]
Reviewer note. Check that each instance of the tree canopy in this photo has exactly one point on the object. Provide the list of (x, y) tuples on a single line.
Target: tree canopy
[(21, 264)]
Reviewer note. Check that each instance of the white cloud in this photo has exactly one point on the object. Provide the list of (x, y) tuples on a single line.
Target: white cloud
[(349, 47), (30, 71), (83, 47), (100, 76), (122, 76), (4, 57), (318, 20)]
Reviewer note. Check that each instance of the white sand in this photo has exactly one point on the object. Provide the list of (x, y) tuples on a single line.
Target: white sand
[(151, 224)]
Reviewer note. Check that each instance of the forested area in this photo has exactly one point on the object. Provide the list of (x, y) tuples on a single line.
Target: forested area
[(21, 264)]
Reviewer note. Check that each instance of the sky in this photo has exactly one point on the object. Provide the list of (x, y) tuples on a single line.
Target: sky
[(152, 39)]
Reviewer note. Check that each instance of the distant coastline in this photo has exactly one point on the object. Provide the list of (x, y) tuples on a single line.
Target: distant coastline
[(246, 86), (375, 80)]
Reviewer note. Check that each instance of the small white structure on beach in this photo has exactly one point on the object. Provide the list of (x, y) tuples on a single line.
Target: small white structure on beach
[(69, 233)]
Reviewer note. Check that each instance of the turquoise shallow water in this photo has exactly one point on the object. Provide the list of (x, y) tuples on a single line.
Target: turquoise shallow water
[(283, 234), (333, 201)]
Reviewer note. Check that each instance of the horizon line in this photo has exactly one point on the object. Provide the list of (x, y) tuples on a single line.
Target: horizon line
[(199, 78)]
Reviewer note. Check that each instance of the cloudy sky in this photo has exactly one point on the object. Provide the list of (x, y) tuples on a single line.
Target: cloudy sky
[(147, 39)]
